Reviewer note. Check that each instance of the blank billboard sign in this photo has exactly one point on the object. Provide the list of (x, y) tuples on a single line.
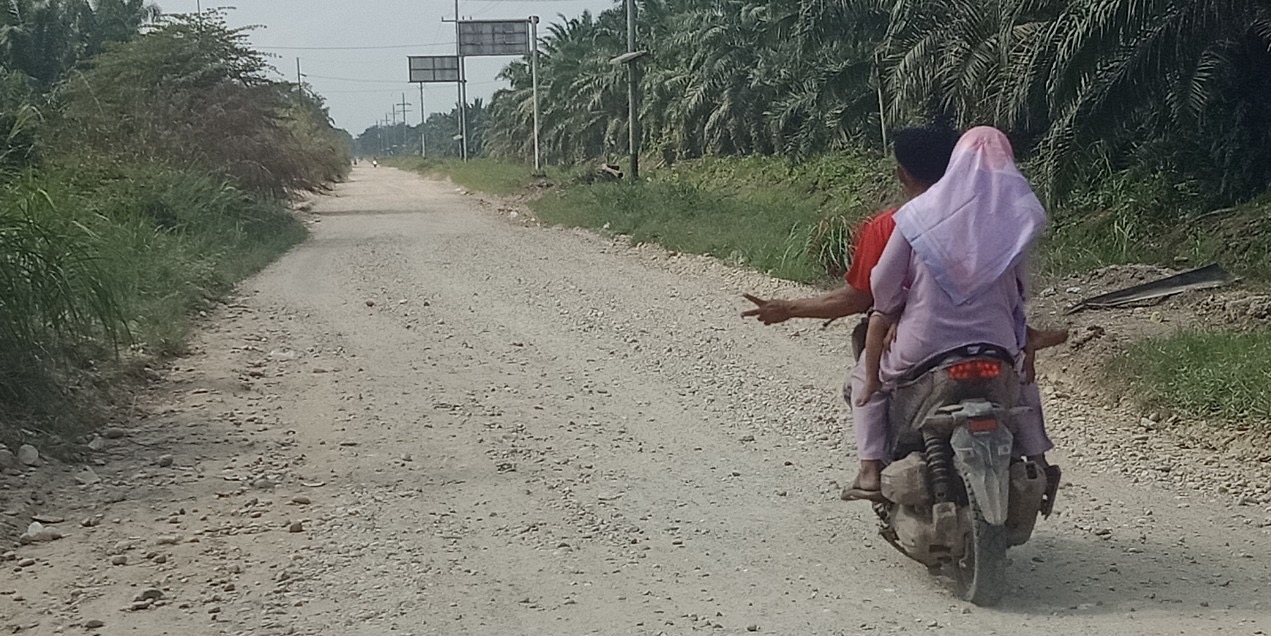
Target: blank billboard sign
[(426, 69), (494, 37)]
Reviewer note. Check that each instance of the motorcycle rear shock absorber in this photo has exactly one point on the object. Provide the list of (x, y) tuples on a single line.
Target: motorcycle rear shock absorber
[(939, 466)]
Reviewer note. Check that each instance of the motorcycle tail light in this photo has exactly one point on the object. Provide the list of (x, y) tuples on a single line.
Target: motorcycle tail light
[(982, 426), (974, 370)]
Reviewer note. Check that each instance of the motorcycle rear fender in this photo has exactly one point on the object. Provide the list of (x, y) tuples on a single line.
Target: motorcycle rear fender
[(984, 460)]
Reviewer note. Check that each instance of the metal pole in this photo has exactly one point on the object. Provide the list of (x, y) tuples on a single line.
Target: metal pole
[(538, 157), (882, 116), (423, 121), (405, 109), (463, 90), (299, 78), (633, 108)]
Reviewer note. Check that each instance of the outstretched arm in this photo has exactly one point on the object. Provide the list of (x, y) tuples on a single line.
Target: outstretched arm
[(844, 301)]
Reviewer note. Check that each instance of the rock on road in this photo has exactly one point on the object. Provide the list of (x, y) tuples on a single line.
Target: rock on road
[(431, 420)]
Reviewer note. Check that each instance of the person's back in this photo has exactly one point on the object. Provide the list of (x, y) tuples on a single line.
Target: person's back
[(931, 323)]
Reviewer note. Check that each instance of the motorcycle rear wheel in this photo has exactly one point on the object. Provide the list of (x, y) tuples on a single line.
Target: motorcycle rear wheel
[(980, 573)]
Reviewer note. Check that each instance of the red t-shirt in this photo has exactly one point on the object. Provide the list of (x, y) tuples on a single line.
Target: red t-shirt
[(871, 238)]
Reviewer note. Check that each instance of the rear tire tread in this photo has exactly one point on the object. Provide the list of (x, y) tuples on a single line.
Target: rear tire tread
[(985, 583)]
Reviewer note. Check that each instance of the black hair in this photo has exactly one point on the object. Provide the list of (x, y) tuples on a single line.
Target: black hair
[(924, 151)]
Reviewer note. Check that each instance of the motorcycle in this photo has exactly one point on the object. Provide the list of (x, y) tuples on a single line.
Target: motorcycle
[(957, 493)]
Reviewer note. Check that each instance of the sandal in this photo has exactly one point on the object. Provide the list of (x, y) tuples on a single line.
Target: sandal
[(856, 493)]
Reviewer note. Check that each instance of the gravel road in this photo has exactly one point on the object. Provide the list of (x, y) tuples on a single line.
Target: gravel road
[(431, 419)]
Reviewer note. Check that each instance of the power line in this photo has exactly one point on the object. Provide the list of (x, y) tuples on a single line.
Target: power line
[(353, 48), (357, 80), (368, 91)]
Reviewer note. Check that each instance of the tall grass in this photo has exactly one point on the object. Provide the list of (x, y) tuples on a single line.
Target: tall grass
[(98, 256), (53, 289)]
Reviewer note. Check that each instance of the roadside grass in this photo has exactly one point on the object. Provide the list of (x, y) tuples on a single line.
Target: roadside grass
[(501, 178), (1154, 218), (760, 234), (100, 263), (1220, 374), (788, 220)]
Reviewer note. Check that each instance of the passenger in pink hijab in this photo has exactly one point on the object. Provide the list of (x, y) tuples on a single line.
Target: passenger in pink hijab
[(954, 273)]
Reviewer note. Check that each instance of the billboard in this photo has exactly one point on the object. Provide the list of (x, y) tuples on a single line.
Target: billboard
[(426, 69), (494, 37)]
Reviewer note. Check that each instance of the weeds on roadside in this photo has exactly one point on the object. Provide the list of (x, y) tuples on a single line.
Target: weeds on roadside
[(1218, 374), (97, 258)]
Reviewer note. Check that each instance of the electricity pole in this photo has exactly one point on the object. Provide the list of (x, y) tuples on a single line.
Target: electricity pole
[(463, 89), (538, 156), (423, 121), (633, 96), (405, 109)]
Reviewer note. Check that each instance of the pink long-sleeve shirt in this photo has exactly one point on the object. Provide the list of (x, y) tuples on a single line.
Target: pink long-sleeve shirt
[(931, 323)]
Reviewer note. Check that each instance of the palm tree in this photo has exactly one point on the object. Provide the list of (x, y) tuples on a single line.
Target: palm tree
[(44, 39), (1125, 71)]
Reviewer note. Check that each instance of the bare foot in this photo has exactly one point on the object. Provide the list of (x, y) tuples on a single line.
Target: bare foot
[(868, 483), (871, 475)]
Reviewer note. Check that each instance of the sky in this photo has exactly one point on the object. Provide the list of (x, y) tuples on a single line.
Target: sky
[(353, 52)]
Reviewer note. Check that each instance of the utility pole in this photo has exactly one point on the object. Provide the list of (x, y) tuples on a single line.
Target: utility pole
[(423, 121), (390, 121), (405, 109), (633, 97), (299, 78), (538, 160), (882, 108), (463, 90)]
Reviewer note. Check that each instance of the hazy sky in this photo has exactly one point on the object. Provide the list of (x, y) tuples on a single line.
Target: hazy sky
[(354, 52)]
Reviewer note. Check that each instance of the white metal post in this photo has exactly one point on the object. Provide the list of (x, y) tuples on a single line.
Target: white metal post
[(463, 90), (633, 88), (538, 157), (423, 133)]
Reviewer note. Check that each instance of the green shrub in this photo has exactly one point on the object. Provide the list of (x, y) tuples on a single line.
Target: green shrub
[(193, 93)]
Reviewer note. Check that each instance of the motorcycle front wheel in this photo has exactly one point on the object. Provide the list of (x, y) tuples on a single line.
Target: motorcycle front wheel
[(981, 571)]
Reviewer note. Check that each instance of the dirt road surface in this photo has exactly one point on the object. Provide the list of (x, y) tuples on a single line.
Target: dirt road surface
[(431, 419)]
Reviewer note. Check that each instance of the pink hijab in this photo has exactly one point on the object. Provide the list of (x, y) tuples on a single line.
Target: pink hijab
[(976, 222)]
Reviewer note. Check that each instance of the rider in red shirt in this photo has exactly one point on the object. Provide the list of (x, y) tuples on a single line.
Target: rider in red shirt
[(870, 239), (921, 157)]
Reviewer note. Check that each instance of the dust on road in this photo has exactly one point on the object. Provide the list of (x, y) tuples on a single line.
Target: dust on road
[(429, 420)]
